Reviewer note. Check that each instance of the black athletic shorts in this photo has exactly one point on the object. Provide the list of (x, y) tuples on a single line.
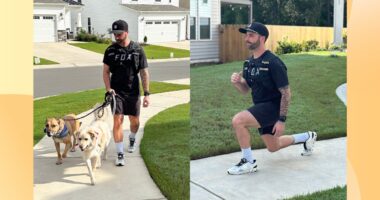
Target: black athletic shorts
[(127, 105), (267, 114)]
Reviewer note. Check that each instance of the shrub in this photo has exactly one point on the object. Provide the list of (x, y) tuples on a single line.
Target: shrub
[(288, 47), (84, 36), (145, 39), (310, 45)]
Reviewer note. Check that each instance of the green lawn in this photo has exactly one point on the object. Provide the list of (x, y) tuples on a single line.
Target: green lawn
[(151, 51), (337, 193), (313, 79), (165, 150), (58, 106), (44, 61)]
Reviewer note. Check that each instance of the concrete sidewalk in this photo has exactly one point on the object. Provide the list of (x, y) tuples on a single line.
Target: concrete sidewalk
[(282, 174), (71, 181), (71, 56)]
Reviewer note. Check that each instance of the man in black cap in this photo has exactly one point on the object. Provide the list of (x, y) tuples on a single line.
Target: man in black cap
[(266, 76), (123, 61)]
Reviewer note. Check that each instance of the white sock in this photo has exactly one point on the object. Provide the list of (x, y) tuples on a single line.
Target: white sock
[(247, 154), (300, 137), (132, 135), (119, 147)]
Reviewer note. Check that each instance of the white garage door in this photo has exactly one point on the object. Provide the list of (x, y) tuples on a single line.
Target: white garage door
[(44, 28), (161, 31)]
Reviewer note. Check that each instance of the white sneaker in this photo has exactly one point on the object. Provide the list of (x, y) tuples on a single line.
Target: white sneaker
[(120, 159), (132, 145), (243, 167), (309, 144)]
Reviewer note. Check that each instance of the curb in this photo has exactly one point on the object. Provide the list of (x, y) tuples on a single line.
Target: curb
[(101, 64)]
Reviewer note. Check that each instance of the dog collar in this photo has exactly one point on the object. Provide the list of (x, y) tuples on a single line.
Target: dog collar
[(63, 133)]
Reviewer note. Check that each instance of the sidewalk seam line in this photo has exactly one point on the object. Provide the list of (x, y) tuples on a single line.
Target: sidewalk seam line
[(204, 188)]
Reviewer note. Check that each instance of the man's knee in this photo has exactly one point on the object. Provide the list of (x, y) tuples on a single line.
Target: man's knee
[(118, 121), (237, 121), (134, 121), (273, 147)]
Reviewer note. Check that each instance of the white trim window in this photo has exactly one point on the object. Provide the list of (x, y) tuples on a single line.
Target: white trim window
[(204, 28), (193, 28)]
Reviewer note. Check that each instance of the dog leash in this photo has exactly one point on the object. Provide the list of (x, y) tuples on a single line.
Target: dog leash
[(109, 97)]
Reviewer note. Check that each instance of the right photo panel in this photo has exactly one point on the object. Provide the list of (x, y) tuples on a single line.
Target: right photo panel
[(268, 99)]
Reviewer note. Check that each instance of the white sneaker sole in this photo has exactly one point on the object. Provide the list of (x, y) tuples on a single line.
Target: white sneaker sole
[(131, 150), (310, 151), (246, 172)]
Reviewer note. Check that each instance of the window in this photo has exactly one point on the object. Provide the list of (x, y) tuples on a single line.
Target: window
[(134, 0), (204, 28), (193, 28), (174, 22), (166, 22), (36, 17), (157, 22), (157, 0), (148, 22), (205, 1), (48, 17)]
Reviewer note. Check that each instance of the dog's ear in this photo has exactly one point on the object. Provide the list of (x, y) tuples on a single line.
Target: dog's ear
[(92, 134)]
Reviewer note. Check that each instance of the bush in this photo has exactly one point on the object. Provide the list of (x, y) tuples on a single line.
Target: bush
[(288, 47), (310, 45), (84, 36), (145, 39)]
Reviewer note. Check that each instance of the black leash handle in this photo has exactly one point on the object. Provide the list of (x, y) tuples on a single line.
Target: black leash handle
[(108, 98)]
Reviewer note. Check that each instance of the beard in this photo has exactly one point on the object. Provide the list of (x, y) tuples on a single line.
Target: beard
[(254, 45), (121, 40)]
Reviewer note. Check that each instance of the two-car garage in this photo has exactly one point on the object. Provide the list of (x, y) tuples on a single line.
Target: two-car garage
[(162, 31), (44, 28)]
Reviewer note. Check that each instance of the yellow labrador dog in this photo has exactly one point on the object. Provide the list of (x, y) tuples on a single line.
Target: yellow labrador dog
[(62, 130), (93, 141)]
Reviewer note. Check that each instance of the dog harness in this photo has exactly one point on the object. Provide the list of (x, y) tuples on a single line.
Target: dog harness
[(63, 133)]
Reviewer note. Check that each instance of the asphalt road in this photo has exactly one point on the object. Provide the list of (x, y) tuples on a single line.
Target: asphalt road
[(48, 82)]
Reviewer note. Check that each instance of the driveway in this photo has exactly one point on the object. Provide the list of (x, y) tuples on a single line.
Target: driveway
[(179, 45), (66, 54)]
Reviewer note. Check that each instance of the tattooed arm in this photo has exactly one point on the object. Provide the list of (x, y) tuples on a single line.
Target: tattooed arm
[(144, 74), (285, 100), (279, 127)]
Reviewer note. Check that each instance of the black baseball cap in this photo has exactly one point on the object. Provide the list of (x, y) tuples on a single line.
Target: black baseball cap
[(256, 27), (119, 26)]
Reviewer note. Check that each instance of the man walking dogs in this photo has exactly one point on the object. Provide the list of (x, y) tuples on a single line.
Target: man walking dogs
[(266, 76), (123, 61)]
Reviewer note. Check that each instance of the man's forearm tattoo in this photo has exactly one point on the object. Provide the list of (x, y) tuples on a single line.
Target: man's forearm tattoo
[(145, 78), (285, 100)]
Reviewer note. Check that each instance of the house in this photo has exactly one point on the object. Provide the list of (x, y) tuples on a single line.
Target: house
[(158, 20), (55, 20), (205, 18)]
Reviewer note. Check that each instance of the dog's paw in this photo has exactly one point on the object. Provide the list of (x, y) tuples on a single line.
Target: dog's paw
[(72, 150), (58, 162)]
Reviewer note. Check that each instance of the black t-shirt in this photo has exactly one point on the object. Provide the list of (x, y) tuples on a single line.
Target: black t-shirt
[(265, 75), (125, 64)]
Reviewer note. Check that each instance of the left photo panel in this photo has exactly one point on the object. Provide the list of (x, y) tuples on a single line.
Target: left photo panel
[(111, 99)]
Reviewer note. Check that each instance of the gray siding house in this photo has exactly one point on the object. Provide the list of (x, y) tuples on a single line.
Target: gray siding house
[(205, 18)]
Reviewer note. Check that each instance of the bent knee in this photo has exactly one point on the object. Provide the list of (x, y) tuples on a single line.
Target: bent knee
[(273, 148), (237, 121)]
